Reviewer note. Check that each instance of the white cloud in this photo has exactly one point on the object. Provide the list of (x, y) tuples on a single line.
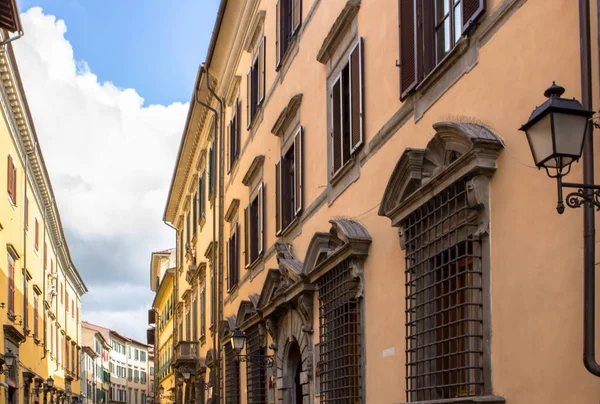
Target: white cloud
[(110, 157)]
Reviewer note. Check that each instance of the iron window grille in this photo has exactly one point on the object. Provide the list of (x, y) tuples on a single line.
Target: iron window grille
[(232, 376), (444, 302), (340, 337), (256, 375)]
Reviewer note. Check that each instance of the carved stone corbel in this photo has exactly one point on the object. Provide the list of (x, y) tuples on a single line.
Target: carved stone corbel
[(305, 309), (478, 189), (357, 270), (272, 330), (262, 333)]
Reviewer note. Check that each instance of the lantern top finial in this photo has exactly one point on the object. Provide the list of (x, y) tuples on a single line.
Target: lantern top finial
[(554, 91)]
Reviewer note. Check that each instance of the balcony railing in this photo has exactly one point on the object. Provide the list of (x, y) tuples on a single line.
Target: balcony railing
[(187, 351)]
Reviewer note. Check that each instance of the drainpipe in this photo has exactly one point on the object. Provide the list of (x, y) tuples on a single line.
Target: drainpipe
[(589, 226)]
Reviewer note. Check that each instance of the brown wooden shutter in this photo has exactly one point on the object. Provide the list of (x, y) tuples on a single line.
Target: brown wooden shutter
[(261, 218), (238, 129), (246, 238), (151, 316), (248, 98), (10, 172), (297, 15), (37, 234), (278, 197), (472, 10), (278, 41), (35, 316), (9, 15), (229, 146), (11, 286), (336, 132), (356, 97), (426, 39), (408, 49), (298, 173), (228, 264), (237, 248), (261, 70)]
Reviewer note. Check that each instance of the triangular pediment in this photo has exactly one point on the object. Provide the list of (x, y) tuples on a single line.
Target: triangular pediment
[(269, 287), (245, 311)]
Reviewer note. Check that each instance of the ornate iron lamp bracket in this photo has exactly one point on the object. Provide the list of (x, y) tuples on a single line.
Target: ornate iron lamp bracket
[(262, 361), (585, 194)]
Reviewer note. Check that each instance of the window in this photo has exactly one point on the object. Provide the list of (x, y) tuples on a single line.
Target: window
[(36, 316), (212, 174), (136, 376), (143, 397), (255, 82), (444, 302), (202, 313), (12, 181), (188, 325), (289, 18), (253, 223), (36, 244), (136, 354), (232, 376), (11, 285), (45, 255), (202, 195), (234, 130), (129, 373), (188, 230), (195, 214), (288, 184), (142, 356), (233, 257), (195, 318), (256, 375), (136, 396), (26, 213), (67, 300), (428, 34), (340, 339), (347, 111), (142, 377)]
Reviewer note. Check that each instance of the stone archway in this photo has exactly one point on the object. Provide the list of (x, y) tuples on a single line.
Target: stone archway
[(292, 369)]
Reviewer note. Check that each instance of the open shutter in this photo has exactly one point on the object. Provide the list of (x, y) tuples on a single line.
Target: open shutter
[(336, 130), (261, 218), (11, 286), (248, 98), (236, 249), (261, 70), (278, 197), (246, 238), (228, 264), (10, 178), (238, 129), (472, 10), (356, 97), (298, 174), (278, 35), (297, 15), (426, 38), (151, 316), (228, 147), (408, 49)]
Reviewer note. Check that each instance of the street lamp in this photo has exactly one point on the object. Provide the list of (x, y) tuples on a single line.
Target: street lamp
[(50, 382), (555, 131), (185, 372), (237, 343), (9, 358)]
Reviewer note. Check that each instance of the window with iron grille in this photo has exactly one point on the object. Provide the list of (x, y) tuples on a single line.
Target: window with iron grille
[(256, 375), (340, 336), (444, 302), (232, 376), (429, 30)]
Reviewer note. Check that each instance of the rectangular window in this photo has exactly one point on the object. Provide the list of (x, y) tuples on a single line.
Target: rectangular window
[(12, 180), (188, 325), (428, 31), (233, 258), (444, 302), (212, 173), (288, 184), (188, 231), (340, 336), (195, 318), (255, 82), (194, 214), (232, 376), (136, 355), (289, 18), (234, 130), (202, 195), (11, 285), (253, 222), (36, 244), (256, 375), (36, 316), (347, 111), (202, 312)]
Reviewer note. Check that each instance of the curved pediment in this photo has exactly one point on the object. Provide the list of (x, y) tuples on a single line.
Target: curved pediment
[(456, 149)]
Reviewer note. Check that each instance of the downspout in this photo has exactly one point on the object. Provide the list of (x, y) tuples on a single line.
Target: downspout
[(221, 213)]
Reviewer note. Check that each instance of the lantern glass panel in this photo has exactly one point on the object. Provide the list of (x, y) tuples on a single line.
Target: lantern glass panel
[(540, 141), (569, 131)]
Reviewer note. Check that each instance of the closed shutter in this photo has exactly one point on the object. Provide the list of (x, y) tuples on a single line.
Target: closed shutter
[(229, 146), (238, 129), (9, 16), (278, 41), (151, 316), (261, 71), (356, 97), (10, 172), (236, 249), (11, 286), (278, 197), (37, 235), (408, 49), (426, 39), (229, 262), (297, 15), (336, 132), (472, 10), (246, 238), (261, 218), (298, 173), (248, 98)]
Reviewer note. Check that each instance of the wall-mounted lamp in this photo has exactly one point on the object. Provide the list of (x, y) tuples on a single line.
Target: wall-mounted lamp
[(238, 338)]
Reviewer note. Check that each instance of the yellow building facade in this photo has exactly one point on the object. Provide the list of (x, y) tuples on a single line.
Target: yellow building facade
[(353, 194), (40, 306)]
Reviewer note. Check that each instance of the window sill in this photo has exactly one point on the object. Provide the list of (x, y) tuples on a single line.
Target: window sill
[(443, 65), (465, 400), (335, 178), (283, 61), (291, 226), (255, 263)]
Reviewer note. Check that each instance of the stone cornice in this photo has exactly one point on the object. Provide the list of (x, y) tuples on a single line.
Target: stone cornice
[(21, 126), (232, 210), (256, 165), (286, 114), (337, 30)]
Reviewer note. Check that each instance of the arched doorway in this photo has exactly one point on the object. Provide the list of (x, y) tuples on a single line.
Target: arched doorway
[(293, 367)]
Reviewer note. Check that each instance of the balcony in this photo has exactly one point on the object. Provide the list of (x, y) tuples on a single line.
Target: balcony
[(187, 352)]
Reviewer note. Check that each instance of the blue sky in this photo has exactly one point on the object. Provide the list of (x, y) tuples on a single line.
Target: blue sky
[(152, 46)]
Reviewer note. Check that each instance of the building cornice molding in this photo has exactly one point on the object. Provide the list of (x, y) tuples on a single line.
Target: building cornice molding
[(22, 128), (286, 115)]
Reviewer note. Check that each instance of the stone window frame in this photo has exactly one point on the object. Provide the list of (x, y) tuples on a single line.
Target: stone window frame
[(254, 180), (458, 150)]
